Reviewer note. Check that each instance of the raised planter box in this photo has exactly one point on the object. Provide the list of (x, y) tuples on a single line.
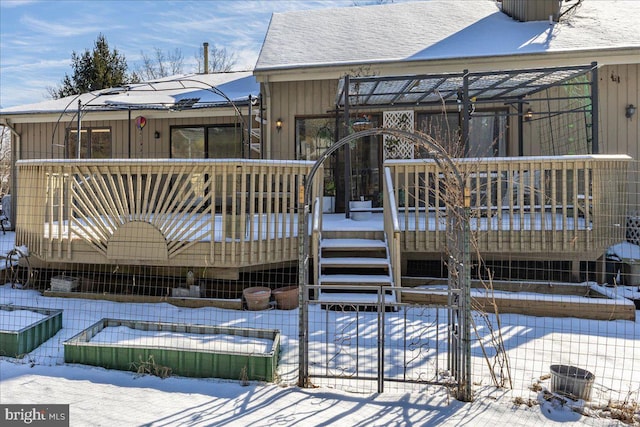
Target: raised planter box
[(560, 300), (232, 361), (22, 329)]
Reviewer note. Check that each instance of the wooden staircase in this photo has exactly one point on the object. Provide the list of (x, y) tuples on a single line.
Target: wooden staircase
[(347, 262)]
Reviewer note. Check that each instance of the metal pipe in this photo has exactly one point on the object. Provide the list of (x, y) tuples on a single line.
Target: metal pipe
[(79, 139), (249, 121), (520, 130), (466, 116), (347, 151), (14, 182), (129, 132), (594, 109)]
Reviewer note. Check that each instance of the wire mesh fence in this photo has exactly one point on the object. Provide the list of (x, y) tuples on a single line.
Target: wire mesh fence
[(528, 315)]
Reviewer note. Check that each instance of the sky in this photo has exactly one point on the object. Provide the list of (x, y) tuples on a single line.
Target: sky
[(37, 37)]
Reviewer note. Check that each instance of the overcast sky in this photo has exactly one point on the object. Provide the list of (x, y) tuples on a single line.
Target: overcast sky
[(37, 38)]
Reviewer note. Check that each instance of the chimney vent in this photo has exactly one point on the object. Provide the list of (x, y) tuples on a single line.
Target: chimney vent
[(205, 67), (532, 10)]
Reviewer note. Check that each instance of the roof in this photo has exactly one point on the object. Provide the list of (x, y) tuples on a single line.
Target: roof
[(176, 92), (438, 29)]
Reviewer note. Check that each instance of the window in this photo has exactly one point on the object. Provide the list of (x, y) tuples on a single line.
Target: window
[(224, 142), (314, 135), (187, 143), (487, 133), (207, 142), (95, 143)]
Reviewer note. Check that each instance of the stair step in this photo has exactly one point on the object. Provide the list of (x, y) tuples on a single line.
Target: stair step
[(351, 244), (355, 279), (347, 298), (354, 262)]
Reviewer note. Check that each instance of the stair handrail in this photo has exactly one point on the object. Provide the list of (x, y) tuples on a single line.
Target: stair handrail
[(316, 235), (392, 230)]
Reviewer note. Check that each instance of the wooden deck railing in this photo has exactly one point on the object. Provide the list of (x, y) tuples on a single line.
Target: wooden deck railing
[(234, 214), (214, 213), (525, 207), (392, 230)]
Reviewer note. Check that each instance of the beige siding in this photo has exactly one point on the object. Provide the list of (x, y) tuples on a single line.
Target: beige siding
[(46, 140), (294, 99), (619, 86)]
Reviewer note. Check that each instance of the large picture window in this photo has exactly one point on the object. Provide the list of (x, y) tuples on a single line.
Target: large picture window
[(95, 143), (207, 142)]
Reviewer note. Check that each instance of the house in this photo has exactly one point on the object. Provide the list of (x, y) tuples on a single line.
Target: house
[(206, 127), (557, 78), (533, 104)]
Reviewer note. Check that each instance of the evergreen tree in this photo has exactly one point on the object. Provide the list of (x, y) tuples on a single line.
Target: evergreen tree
[(93, 70)]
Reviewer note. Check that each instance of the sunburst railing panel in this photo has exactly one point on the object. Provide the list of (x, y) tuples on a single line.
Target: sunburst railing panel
[(225, 213)]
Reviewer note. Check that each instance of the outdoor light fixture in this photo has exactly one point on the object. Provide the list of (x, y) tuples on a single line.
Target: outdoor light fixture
[(528, 115), (630, 111), (279, 124), (156, 135)]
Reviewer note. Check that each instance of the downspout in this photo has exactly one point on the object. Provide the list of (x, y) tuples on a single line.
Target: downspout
[(520, 130), (267, 92), (595, 113), (250, 118), (14, 159), (261, 128)]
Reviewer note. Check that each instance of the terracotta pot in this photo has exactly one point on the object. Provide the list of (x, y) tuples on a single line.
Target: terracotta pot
[(286, 298), (257, 298)]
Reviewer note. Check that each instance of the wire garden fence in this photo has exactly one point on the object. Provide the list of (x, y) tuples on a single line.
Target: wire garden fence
[(532, 322)]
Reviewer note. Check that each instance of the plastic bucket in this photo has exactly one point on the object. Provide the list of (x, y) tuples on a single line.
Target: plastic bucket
[(571, 381), (286, 298), (257, 298)]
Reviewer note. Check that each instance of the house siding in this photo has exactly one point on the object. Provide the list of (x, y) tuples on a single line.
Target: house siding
[(619, 86), (294, 99), (46, 140)]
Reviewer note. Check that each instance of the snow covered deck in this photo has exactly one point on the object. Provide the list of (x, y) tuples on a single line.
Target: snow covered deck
[(526, 207), (216, 214), (244, 213)]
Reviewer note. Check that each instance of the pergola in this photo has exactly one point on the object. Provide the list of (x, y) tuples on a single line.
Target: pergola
[(468, 89)]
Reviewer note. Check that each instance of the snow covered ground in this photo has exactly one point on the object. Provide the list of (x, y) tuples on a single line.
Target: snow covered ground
[(100, 397)]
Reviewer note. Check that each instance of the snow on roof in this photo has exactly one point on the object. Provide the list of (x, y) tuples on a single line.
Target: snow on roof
[(189, 90), (439, 29)]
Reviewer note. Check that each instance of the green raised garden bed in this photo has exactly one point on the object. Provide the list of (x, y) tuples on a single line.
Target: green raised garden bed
[(187, 350), (23, 329)]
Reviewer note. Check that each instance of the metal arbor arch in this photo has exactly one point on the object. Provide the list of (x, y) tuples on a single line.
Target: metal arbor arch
[(459, 301), (184, 82)]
